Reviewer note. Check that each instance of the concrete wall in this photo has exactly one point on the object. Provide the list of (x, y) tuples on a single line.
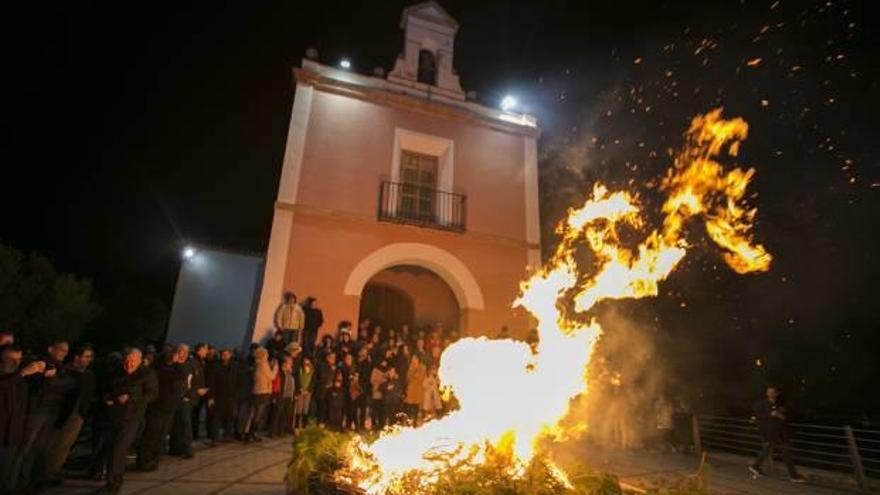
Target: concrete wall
[(214, 300)]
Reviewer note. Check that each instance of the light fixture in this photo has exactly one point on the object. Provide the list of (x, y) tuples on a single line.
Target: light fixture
[(508, 103), (345, 63), (188, 252)]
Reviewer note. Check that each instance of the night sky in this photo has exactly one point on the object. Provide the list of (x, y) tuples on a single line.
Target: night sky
[(129, 129)]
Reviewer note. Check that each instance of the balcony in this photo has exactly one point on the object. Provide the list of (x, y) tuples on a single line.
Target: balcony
[(412, 204)]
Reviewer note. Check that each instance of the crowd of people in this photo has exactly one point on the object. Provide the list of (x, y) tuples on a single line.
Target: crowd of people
[(156, 402)]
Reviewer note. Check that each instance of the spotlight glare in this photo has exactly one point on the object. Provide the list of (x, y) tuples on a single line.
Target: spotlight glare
[(188, 252), (345, 63), (508, 103)]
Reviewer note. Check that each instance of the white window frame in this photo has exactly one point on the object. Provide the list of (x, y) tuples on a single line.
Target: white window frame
[(426, 144)]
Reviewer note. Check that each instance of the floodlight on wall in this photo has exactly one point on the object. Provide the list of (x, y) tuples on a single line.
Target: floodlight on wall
[(508, 103), (345, 63), (188, 252)]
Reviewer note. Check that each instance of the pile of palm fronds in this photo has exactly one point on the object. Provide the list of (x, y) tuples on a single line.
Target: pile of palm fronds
[(319, 455)]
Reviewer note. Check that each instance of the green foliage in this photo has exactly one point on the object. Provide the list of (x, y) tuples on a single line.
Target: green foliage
[(318, 454), (40, 304), (492, 477)]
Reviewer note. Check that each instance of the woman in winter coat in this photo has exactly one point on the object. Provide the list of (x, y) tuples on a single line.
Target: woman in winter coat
[(415, 387), (431, 403), (261, 393)]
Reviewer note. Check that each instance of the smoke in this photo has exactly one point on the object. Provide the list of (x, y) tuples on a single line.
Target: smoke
[(627, 377)]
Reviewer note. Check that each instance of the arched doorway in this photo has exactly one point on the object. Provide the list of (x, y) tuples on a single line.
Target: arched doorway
[(386, 305), (412, 295)]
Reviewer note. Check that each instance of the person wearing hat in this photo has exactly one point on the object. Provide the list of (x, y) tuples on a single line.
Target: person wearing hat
[(290, 318)]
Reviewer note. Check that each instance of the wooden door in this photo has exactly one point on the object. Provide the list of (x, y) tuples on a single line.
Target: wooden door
[(386, 305)]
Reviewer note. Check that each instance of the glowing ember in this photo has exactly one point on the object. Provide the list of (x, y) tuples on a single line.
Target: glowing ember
[(509, 397)]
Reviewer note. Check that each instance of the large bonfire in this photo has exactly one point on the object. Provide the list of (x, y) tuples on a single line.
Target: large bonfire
[(511, 397)]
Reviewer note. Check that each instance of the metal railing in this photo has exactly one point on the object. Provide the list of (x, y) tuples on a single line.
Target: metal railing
[(833, 448), (412, 204)]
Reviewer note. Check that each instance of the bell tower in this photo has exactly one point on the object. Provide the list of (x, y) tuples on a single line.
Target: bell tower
[(429, 41)]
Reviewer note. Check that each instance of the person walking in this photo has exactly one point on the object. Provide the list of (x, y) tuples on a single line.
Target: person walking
[(771, 416), (130, 393)]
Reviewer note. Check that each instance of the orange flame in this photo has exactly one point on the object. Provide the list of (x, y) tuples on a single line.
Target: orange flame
[(510, 397)]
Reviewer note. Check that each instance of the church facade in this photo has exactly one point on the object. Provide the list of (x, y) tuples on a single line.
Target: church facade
[(400, 199)]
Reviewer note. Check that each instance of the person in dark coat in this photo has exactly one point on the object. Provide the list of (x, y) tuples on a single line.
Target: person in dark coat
[(201, 392), (181, 440), (172, 378), (314, 320), (130, 393), (364, 368), (335, 403), (276, 344), (13, 408), (46, 394), (324, 374), (222, 378), (356, 402), (74, 410), (101, 424), (772, 418), (392, 396), (244, 384)]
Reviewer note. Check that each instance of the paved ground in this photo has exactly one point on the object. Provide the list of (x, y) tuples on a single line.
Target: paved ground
[(726, 474), (259, 469), (249, 469)]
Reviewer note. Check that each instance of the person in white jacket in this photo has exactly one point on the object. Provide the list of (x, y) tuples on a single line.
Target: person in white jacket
[(431, 404), (290, 319)]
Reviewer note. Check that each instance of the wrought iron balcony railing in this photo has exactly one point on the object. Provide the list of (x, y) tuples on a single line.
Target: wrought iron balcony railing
[(413, 204)]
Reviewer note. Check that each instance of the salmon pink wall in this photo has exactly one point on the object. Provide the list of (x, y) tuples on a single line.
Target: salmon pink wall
[(349, 149), (325, 249)]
